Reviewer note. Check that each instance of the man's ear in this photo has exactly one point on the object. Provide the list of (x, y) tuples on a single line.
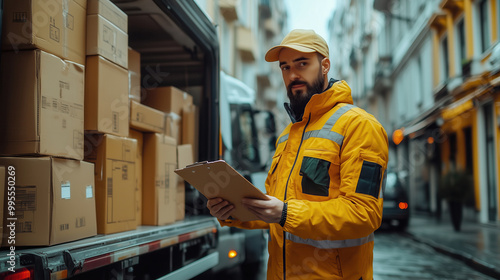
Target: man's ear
[(325, 65)]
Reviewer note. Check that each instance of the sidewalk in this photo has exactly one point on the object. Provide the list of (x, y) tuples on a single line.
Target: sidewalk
[(478, 245)]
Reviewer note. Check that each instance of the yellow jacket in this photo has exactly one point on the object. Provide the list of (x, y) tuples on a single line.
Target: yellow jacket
[(329, 169)]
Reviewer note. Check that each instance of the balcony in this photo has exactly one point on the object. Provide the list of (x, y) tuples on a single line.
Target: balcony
[(366, 40), (245, 43), (438, 22), (265, 9), (456, 7), (272, 27), (381, 5), (228, 9), (383, 71), (355, 57)]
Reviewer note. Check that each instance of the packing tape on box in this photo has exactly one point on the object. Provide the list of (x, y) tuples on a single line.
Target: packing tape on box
[(174, 116), (65, 12)]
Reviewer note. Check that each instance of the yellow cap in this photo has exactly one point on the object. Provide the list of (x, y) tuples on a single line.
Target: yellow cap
[(301, 40)]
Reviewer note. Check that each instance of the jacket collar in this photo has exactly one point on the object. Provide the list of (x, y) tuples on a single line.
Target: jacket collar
[(336, 92)]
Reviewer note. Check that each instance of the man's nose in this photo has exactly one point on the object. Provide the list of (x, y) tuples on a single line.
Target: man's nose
[(294, 75)]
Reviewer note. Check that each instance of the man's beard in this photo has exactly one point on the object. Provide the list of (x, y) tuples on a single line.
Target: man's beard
[(299, 100)]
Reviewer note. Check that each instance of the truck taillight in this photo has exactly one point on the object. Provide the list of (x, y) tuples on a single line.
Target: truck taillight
[(20, 274)]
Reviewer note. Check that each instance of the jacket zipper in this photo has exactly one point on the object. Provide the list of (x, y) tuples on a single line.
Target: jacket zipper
[(286, 189)]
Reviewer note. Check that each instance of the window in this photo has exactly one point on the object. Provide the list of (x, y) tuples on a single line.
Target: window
[(490, 161), (461, 40), (484, 25), (444, 59), (419, 82)]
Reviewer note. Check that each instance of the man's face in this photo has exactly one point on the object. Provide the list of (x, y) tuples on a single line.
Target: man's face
[(303, 77)]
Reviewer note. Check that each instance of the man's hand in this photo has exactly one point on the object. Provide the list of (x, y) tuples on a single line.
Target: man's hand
[(267, 210), (220, 208)]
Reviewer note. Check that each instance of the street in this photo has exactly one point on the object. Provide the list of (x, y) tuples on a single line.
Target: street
[(397, 256)]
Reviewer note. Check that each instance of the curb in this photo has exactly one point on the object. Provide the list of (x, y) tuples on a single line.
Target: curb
[(468, 259)]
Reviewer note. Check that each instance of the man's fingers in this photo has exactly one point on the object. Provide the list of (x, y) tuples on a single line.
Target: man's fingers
[(217, 207), (255, 202), (225, 212), (213, 201)]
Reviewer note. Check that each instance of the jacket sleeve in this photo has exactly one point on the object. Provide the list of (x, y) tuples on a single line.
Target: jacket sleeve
[(357, 211), (245, 225)]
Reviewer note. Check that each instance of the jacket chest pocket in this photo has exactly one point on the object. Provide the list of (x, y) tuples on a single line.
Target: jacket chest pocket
[(315, 172)]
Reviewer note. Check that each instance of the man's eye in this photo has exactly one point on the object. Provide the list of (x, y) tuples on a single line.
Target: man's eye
[(284, 68), (303, 64)]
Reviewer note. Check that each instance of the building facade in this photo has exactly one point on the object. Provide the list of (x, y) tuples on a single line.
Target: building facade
[(429, 70), (438, 64)]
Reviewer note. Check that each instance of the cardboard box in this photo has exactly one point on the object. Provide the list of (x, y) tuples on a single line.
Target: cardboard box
[(106, 97), (173, 126), (43, 95), (190, 128), (109, 11), (184, 158), (180, 211), (137, 135), (167, 99), (107, 40), (134, 75), (56, 26), (159, 181), (115, 182), (55, 200), (3, 191), (145, 118)]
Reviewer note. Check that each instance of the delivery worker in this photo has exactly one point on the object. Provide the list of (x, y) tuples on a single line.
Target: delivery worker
[(325, 181)]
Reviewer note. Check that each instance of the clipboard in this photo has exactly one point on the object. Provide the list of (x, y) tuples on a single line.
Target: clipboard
[(219, 179)]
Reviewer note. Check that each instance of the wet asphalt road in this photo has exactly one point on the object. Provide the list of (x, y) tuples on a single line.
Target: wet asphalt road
[(396, 256)]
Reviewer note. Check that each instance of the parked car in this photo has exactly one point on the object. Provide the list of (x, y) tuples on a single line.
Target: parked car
[(396, 208)]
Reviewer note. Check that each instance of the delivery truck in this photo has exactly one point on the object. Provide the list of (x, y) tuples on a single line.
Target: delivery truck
[(179, 47)]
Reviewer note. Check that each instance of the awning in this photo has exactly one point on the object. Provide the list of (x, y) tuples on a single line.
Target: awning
[(418, 128), (417, 125), (464, 104), (446, 112)]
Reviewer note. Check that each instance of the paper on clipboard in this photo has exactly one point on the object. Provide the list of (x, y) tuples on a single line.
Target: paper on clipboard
[(219, 179)]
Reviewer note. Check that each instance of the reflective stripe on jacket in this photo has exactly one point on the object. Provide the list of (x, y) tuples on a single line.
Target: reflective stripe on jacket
[(328, 167)]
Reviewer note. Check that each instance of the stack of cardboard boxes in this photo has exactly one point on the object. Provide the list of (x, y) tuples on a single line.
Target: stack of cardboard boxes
[(89, 156), (43, 57), (107, 142), (157, 121)]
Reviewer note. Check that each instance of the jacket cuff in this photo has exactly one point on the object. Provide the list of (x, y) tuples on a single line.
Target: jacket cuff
[(283, 214)]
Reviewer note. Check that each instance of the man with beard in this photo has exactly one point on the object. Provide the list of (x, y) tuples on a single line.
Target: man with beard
[(326, 178)]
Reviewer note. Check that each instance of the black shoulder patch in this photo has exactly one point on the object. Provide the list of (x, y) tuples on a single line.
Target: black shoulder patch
[(369, 179)]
